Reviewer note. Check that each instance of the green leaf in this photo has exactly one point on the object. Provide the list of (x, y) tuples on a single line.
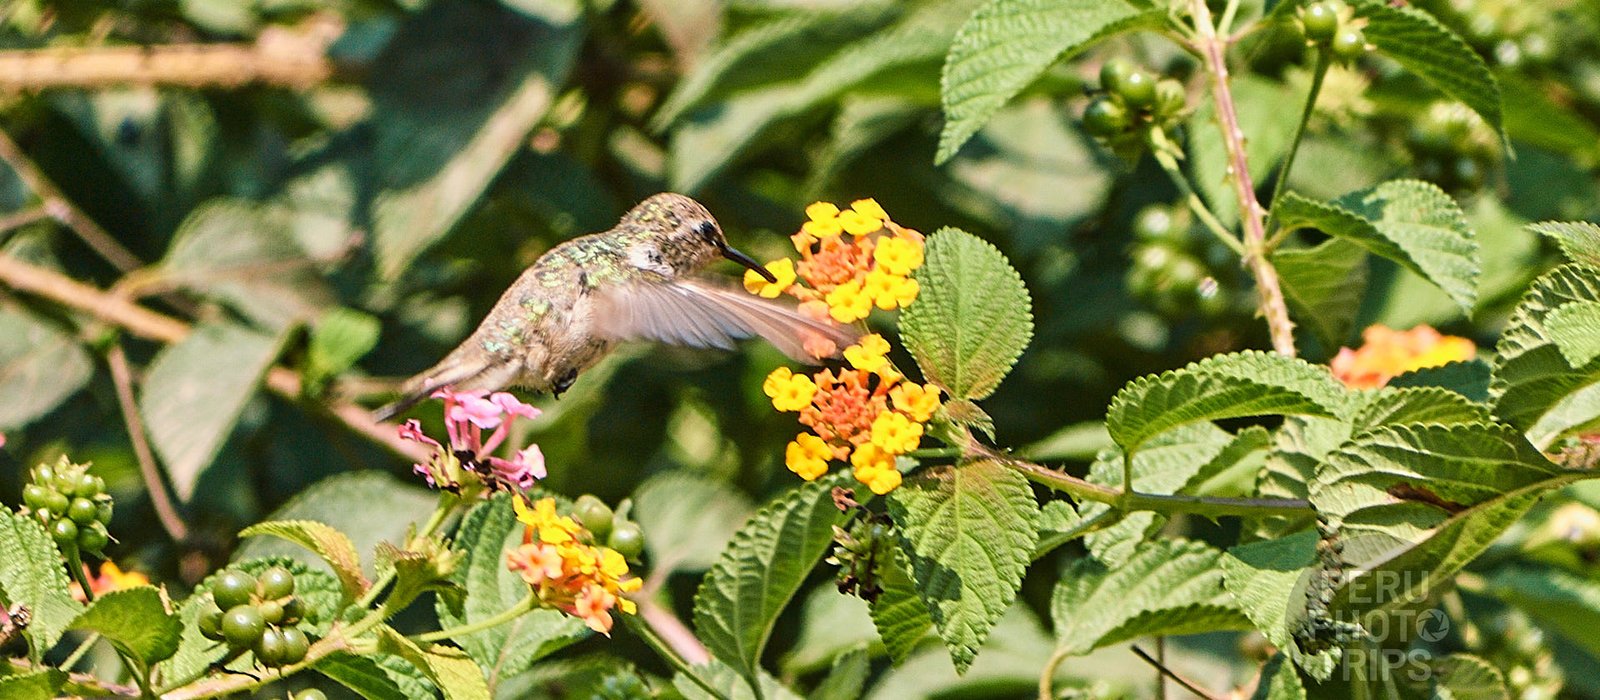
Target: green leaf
[(1432, 405), (134, 620), (831, 623), (462, 87), (338, 339), (1466, 677), (1579, 240), (899, 615), (333, 546), (241, 253), (487, 532), (969, 532), (195, 391), (1167, 587), (1241, 384), (1167, 463), (1469, 379), (729, 685), (1562, 601), (1267, 580), (340, 501), (863, 121), (687, 519), (1324, 286), (740, 599), (1575, 328), (1408, 221), (1007, 44), (31, 574), (451, 669), (972, 319), (1533, 386), (44, 684), (1279, 681), (377, 677), (1417, 41), (1008, 664), (846, 679), (319, 592), (40, 366)]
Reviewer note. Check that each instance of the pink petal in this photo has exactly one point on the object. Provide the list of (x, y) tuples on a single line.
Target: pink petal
[(475, 410), (513, 407), (410, 430)]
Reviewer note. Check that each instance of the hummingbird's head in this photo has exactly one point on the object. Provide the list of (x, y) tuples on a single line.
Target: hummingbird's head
[(688, 236)]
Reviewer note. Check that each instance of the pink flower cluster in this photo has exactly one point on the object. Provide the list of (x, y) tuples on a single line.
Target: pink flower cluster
[(466, 415)]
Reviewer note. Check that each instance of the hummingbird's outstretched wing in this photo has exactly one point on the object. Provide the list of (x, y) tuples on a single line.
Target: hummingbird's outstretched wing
[(701, 314)]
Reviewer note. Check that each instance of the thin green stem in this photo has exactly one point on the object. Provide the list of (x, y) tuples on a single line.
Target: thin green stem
[(447, 505), (1208, 506), (935, 452), (1324, 61), (1197, 205), (666, 652), (77, 654), (504, 616)]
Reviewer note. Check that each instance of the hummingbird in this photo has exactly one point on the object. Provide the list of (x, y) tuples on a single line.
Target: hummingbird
[(637, 281)]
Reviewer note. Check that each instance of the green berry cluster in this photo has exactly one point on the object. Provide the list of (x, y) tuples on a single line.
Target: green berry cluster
[(258, 614), (72, 504), (1329, 24), (1174, 270), (1132, 102), (1453, 146), (613, 528)]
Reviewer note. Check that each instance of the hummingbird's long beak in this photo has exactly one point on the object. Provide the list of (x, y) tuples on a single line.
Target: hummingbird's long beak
[(730, 253)]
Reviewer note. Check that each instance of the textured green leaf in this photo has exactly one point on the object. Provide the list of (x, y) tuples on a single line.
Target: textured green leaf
[(1008, 664), (1579, 240), (333, 546), (1279, 680), (831, 623), (740, 599), (195, 391), (503, 651), (1167, 587), (1324, 286), (1267, 579), (243, 254), (729, 685), (1575, 328), (1167, 463), (340, 502), (1416, 40), (687, 519), (972, 319), (40, 366), (1466, 677), (969, 533), (1432, 405), (31, 574), (1007, 44), (338, 339), (451, 669), (1408, 221), (135, 621), (38, 685), (899, 615), (846, 679), (1225, 386), (375, 678), (1298, 446), (1469, 379), (1533, 386), (317, 590)]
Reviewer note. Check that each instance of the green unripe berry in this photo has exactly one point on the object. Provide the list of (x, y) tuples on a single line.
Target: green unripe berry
[(269, 648), (310, 694), (1153, 258), (1156, 224), (1138, 90), (35, 496), (56, 502), (594, 515), (102, 512), (271, 611), (277, 582), (65, 533), (1321, 21), (627, 538), (65, 483), (1114, 72), (82, 511), (295, 645), (1105, 118), (232, 589), (44, 475), (1170, 98), (93, 537), (1184, 273), (242, 626), (1349, 44), (88, 486), (210, 623)]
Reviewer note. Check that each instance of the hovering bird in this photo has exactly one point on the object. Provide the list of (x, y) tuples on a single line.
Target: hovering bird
[(637, 281)]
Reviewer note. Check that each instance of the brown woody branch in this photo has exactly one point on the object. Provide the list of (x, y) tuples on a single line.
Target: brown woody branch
[(280, 56)]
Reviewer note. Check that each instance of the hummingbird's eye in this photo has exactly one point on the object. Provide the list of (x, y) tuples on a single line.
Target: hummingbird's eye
[(707, 230)]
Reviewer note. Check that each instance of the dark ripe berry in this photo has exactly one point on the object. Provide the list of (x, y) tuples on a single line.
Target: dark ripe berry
[(310, 694), (295, 645), (1105, 118), (65, 533), (1170, 98), (271, 611), (277, 582), (594, 515), (627, 539), (1138, 90), (242, 626), (233, 588), (293, 611), (270, 647), (1321, 21), (82, 511), (35, 496), (56, 503), (102, 512), (89, 486), (210, 623), (93, 537), (1349, 44)]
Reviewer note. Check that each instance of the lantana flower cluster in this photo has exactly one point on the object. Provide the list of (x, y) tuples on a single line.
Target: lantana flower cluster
[(111, 578), (1387, 353), (469, 459), (567, 571), (866, 413)]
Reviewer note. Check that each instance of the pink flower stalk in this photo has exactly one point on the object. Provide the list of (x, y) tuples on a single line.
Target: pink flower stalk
[(467, 414)]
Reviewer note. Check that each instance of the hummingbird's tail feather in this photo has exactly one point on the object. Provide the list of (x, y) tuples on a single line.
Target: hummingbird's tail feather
[(698, 314), (459, 370)]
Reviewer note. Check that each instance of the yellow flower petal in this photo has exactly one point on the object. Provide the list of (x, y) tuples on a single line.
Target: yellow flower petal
[(857, 224), (870, 208), (821, 211), (848, 302), (782, 268)]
